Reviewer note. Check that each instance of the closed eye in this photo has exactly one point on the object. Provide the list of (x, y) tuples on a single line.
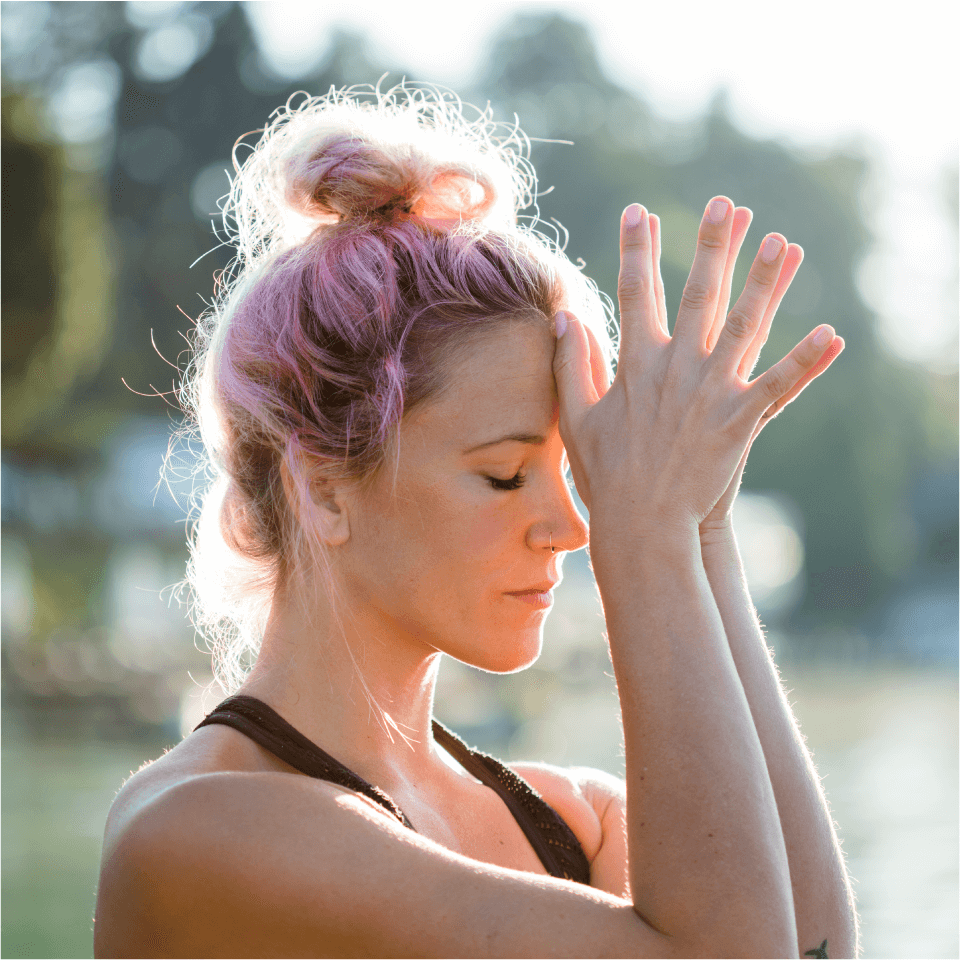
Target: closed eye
[(513, 483)]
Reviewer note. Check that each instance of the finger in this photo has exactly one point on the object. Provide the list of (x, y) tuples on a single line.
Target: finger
[(744, 320), (786, 378), (698, 305), (635, 286), (834, 349), (572, 370), (741, 223), (662, 319), (791, 264), (599, 371)]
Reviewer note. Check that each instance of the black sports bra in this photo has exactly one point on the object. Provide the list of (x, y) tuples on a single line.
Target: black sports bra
[(554, 842)]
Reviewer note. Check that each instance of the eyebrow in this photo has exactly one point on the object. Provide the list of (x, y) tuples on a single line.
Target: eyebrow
[(535, 439)]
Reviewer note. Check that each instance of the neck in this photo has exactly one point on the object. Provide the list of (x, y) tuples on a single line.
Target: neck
[(358, 689)]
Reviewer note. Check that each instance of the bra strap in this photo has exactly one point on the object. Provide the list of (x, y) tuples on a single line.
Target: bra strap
[(555, 843), (552, 840), (265, 726)]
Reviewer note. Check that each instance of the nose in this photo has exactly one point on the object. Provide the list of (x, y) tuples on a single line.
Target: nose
[(560, 527)]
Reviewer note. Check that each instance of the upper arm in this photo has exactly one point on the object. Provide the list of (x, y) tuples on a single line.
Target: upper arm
[(244, 865), (593, 803)]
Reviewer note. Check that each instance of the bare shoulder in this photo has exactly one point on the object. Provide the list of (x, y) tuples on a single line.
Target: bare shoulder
[(267, 864), (207, 751), (161, 824), (593, 803), (190, 861)]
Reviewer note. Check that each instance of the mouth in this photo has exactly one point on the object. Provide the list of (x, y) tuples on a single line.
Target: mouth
[(540, 596)]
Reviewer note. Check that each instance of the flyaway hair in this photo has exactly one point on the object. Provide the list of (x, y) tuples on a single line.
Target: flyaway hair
[(378, 234)]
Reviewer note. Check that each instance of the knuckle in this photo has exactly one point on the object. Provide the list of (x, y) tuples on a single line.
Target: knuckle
[(712, 238), (697, 295), (778, 381), (768, 276), (631, 286), (764, 278), (811, 354), (562, 364), (739, 324)]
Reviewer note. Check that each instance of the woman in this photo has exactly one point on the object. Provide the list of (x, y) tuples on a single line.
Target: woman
[(390, 391)]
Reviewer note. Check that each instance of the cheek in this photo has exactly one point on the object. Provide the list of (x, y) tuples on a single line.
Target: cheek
[(487, 531), (459, 537), (437, 566), (440, 549)]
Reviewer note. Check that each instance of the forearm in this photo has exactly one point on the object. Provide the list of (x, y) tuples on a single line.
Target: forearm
[(706, 851), (823, 900)]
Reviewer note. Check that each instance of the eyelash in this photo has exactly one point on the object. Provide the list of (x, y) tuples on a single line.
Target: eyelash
[(514, 483)]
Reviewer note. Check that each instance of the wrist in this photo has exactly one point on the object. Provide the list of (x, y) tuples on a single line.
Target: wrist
[(717, 534), (619, 543)]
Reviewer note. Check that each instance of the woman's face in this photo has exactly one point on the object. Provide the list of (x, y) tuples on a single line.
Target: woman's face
[(451, 552)]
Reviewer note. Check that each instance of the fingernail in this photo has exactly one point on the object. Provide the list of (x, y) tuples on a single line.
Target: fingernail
[(632, 214), (560, 324), (823, 336), (770, 250), (718, 211)]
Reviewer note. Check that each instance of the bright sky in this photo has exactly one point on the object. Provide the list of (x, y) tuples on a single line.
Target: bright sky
[(814, 74)]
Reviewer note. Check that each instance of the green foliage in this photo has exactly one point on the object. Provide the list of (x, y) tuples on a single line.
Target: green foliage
[(30, 214), (57, 278)]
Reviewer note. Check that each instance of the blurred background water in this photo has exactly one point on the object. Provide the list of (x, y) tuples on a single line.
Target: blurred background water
[(118, 119)]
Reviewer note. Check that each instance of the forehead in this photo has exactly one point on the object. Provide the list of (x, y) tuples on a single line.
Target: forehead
[(503, 383)]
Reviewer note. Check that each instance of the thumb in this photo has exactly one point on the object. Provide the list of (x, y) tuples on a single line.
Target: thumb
[(571, 368)]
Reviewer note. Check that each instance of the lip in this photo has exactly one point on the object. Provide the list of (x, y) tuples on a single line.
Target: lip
[(540, 596)]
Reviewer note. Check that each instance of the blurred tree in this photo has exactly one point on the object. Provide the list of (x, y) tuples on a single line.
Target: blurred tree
[(42, 40), (30, 173), (174, 135), (188, 80), (182, 81), (57, 280)]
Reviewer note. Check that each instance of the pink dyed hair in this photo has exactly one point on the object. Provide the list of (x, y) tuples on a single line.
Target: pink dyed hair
[(377, 235)]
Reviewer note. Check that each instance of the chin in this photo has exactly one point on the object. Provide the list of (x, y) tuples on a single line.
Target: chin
[(506, 654)]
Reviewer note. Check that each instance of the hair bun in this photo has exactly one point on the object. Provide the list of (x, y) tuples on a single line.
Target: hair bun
[(361, 153), (343, 174)]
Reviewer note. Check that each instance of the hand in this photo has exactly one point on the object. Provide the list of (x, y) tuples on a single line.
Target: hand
[(718, 524), (668, 438)]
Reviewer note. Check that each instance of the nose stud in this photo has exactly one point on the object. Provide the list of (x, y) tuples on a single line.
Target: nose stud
[(552, 548)]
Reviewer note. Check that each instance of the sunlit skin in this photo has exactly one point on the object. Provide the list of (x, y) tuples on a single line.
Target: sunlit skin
[(731, 847), (431, 560), (497, 509)]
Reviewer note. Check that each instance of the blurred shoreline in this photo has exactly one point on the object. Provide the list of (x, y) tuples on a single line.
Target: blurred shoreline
[(884, 739)]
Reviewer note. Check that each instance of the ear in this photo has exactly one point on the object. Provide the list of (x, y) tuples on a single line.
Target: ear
[(320, 504)]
